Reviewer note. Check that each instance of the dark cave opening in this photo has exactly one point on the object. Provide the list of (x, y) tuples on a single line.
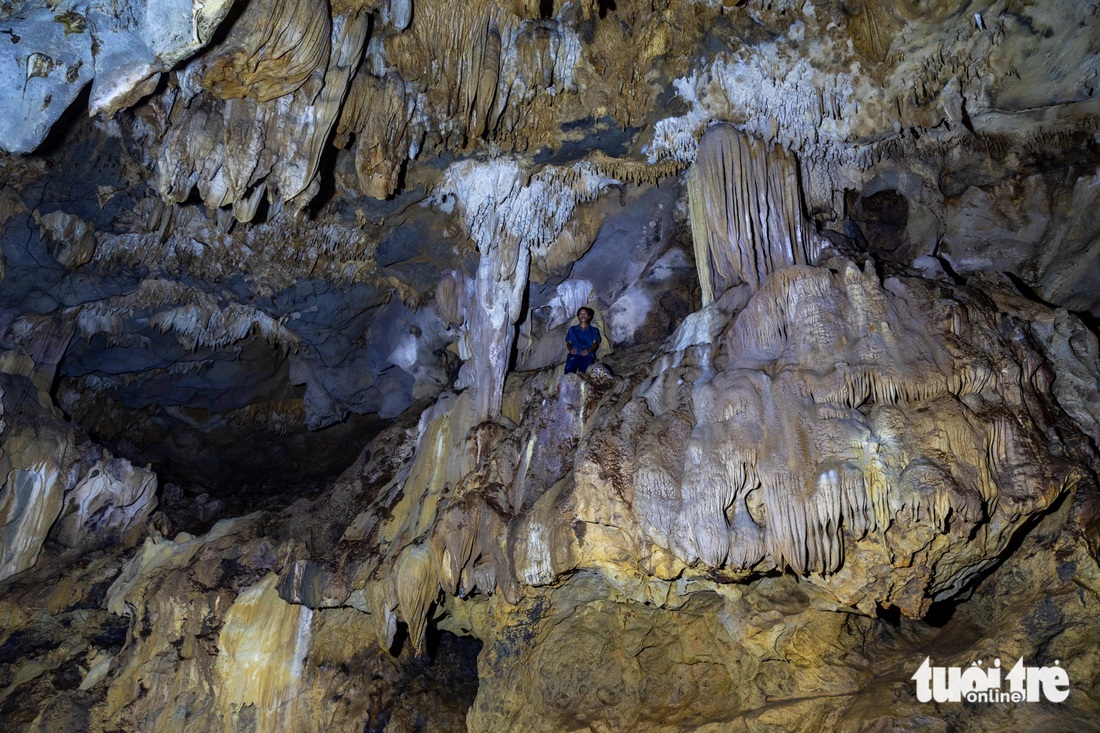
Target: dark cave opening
[(888, 208), (882, 218), (194, 435), (889, 614), (940, 613), (433, 690)]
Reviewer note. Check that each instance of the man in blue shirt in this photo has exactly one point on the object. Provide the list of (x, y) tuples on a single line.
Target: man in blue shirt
[(582, 341)]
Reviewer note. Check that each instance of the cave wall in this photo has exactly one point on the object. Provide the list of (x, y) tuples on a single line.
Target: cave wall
[(285, 442)]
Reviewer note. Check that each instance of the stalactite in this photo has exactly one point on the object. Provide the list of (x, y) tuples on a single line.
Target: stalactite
[(496, 75), (865, 421), (279, 417), (380, 113), (878, 509), (382, 602), (746, 212), (637, 172), (271, 50), (498, 293), (747, 545), (872, 27), (263, 139), (205, 326), (510, 220), (454, 543), (452, 297), (197, 318), (292, 249), (417, 588)]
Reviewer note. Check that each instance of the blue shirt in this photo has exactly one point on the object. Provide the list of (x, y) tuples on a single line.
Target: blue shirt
[(583, 340)]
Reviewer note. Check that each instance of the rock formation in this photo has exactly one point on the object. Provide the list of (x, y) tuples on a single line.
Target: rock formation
[(285, 439)]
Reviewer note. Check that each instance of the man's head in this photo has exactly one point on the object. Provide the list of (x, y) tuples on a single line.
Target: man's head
[(585, 314)]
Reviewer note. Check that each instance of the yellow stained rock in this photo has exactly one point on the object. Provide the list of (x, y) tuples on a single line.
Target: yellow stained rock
[(271, 51), (262, 646)]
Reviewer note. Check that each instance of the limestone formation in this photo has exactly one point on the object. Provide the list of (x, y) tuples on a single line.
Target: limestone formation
[(913, 442), (57, 486), (746, 212), (54, 49), (286, 441)]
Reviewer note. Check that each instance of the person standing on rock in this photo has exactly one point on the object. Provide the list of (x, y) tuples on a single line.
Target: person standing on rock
[(582, 341)]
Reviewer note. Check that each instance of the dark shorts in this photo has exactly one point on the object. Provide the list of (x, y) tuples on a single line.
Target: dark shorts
[(578, 363)]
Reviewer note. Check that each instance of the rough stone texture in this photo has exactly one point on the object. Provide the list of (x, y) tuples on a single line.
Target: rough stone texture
[(914, 460), (51, 53), (42, 73), (553, 543), (55, 483), (315, 262)]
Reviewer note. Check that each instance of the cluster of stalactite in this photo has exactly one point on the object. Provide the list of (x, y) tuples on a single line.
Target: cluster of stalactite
[(746, 212), (836, 421)]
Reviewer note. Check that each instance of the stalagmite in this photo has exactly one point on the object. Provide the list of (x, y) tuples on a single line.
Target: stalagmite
[(839, 429)]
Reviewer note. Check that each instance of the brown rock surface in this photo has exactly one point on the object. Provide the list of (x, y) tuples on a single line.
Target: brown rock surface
[(844, 419)]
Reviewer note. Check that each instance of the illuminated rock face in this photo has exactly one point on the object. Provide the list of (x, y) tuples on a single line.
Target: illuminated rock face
[(56, 485), (844, 418), (873, 438), (55, 49), (724, 524)]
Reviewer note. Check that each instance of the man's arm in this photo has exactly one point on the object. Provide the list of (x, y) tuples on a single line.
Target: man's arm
[(569, 344)]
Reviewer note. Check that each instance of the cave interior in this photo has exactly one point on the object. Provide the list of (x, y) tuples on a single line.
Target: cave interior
[(286, 442)]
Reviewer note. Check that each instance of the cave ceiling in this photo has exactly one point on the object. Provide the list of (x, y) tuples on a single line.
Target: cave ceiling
[(286, 441), (239, 237)]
